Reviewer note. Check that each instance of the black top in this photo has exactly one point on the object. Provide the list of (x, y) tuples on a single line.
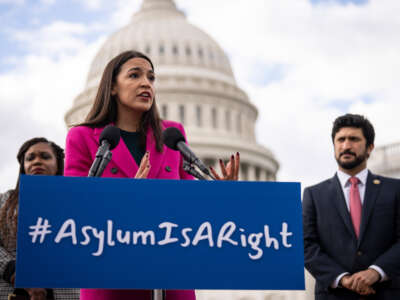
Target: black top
[(132, 141)]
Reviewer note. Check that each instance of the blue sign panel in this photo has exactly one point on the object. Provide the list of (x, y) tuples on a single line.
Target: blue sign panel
[(159, 234)]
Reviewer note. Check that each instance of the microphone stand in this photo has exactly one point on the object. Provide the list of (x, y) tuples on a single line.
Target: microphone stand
[(98, 169), (158, 295), (103, 163), (98, 166), (188, 168), (101, 152)]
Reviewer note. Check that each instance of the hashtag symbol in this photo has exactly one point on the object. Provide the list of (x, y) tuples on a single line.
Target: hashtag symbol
[(39, 230)]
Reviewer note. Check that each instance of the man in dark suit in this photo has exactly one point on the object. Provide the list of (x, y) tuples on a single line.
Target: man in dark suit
[(352, 222)]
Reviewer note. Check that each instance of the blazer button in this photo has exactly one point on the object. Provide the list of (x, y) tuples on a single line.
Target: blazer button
[(359, 253), (114, 170), (168, 168)]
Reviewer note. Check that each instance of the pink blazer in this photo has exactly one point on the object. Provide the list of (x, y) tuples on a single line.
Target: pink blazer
[(82, 144), (80, 150)]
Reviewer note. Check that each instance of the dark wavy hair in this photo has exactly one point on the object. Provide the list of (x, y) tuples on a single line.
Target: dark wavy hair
[(104, 109), (356, 121), (9, 211)]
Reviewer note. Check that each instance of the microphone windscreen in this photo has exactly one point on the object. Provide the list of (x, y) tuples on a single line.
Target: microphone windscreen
[(112, 135), (172, 136)]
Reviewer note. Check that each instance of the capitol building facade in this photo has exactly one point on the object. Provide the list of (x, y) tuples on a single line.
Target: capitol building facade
[(195, 86), (385, 160)]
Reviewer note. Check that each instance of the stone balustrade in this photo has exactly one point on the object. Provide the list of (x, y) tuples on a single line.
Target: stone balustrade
[(385, 160)]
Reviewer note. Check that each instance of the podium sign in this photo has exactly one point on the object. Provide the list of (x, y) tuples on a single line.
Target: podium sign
[(159, 234)]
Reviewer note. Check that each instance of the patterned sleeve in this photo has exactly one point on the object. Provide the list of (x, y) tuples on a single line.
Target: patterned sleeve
[(5, 256)]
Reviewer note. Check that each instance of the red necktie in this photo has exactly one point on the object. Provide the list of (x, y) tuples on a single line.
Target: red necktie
[(355, 204)]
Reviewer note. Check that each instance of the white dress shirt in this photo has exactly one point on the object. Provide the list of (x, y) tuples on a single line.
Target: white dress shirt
[(344, 180), (345, 184)]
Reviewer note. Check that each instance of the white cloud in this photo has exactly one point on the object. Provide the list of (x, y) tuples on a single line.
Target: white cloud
[(91, 4), (36, 94), (15, 2), (334, 57), (123, 12), (119, 7), (48, 2), (57, 38)]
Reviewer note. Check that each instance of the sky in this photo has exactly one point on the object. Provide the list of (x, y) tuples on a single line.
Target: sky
[(302, 63)]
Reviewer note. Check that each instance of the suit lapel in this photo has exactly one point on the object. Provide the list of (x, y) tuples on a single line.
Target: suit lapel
[(340, 204), (156, 158), (124, 160), (371, 194), (121, 156)]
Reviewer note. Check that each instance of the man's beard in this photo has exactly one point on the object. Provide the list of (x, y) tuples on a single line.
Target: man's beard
[(348, 165)]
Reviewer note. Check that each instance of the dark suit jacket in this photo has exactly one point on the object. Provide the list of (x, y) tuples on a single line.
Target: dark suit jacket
[(331, 246)]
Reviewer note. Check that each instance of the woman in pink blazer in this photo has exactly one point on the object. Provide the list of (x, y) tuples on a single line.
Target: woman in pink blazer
[(126, 99), (83, 142)]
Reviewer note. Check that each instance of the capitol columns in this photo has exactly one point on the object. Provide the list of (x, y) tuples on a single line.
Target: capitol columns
[(251, 172)]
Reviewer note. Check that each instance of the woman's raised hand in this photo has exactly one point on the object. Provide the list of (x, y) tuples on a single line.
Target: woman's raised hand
[(144, 167), (230, 171)]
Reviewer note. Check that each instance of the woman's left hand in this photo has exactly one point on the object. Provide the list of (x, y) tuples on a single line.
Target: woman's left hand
[(230, 171), (144, 167)]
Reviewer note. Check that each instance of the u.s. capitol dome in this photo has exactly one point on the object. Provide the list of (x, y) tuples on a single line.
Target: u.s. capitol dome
[(195, 86)]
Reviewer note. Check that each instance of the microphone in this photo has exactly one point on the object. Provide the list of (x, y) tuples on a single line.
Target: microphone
[(188, 168), (108, 140), (175, 140)]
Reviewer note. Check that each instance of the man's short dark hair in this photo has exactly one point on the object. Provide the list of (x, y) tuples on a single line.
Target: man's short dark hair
[(356, 121)]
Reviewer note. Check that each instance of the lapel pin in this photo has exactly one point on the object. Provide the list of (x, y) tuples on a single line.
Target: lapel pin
[(168, 168), (376, 181), (114, 170)]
